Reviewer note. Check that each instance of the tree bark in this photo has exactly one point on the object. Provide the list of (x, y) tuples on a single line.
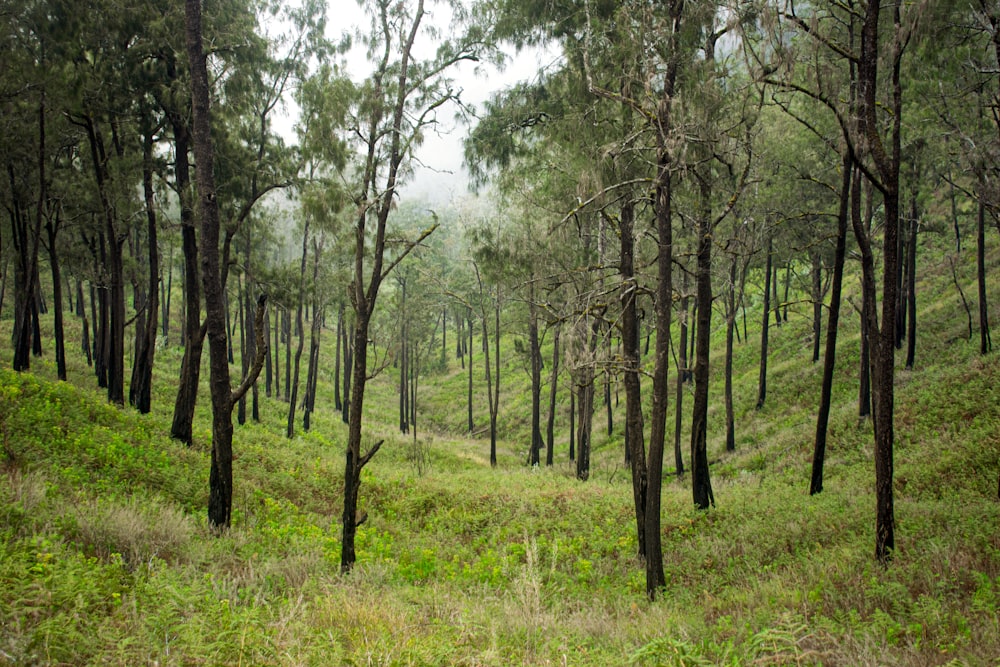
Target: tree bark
[(730, 326), (300, 330), (630, 357), (553, 385), (141, 386), (985, 342), (701, 483), (830, 356), (535, 353), (187, 390), (762, 380), (682, 375), (52, 230)]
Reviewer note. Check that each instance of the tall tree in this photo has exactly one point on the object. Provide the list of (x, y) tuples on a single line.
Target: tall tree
[(400, 98), (220, 499)]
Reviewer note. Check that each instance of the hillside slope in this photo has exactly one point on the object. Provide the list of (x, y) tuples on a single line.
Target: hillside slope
[(105, 555)]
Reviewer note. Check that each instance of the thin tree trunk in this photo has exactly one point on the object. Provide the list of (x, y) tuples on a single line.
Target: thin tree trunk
[(535, 353), (985, 342), (52, 229), (911, 289), (300, 330), (701, 484), (817, 299), (630, 356), (553, 382), (187, 390), (730, 326), (682, 373), (762, 380), (141, 386), (469, 354), (830, 357), (337, 403)]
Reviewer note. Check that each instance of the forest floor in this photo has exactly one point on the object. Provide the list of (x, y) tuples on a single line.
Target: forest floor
[(106, 557)]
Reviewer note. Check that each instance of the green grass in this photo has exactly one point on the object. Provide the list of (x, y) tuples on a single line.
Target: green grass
[(106, 558)]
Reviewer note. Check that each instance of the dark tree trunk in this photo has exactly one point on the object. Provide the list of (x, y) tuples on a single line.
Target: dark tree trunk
[(816, 273), (762, 381), (701, 484), (985, 342), (730, 326), (313, 375), (883, 340), (630, 357), (166, 287), (775, 301), (586, 392), (223, 398), (187, 390), (404, 411), (535, 353), (286, 331), (348, 370), (300, 331), (553, 385), (84, 325), (52, 229), (241, 322), (682, 374), (572, 423), (27, 245), (337, 404), (268, 367), (229, 323), (911, 288), (115, 271), (469, 354), (830, 357), (663, 305), (788, 283), (141, 386)]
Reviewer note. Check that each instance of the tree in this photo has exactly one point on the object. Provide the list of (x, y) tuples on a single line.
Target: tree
[(223, 396), (396, 104)]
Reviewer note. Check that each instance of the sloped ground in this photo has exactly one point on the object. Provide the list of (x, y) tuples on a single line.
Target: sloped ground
[(105, 557)]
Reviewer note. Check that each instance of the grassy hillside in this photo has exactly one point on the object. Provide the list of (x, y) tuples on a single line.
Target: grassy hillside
[(105, 555)]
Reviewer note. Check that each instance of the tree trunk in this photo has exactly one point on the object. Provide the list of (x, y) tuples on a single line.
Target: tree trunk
[(701, 484), (762, 381), (116, 287), (187, 390), (911, 288), (730, 326), (300, 330), (535, 353), (469, 354), (348, 370), (166, 287), (553, 383), (682, 374), (572, 423), (221, 477), (337, 404), (141, 386), (830, 357), (52, 229), (630, 356), (985, 342), (28, 245), (816, 272)]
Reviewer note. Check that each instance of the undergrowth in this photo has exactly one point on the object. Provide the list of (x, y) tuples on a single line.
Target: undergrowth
[(106, 558)]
